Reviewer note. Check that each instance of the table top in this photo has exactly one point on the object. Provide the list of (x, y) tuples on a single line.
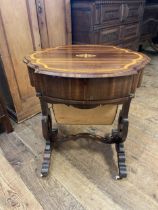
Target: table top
[(87, 61)]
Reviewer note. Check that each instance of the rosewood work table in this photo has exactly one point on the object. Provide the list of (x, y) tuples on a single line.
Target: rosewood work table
[(86, 77)]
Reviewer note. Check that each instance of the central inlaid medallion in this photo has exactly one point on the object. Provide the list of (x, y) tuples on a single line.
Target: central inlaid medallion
[(86, 55)]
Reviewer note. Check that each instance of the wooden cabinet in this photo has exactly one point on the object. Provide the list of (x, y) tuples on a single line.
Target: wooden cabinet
[(111, 14), (112, 35), (27, 25), (54, 18), (150, 21), (113, 22), (130, 31)]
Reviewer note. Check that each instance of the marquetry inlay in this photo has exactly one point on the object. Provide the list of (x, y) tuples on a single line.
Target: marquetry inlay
[(87, 61), (86, 55)]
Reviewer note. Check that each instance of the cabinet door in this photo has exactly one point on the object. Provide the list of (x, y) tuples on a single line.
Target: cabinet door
[(54, 17), (133, 11), (112, 13), (130, 31), (19, 35), (130, 36), (110, 35)]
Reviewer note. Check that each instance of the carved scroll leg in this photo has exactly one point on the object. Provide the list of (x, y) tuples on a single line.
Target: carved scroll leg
[(48, 152), (46, 128), (121, 161), (49, 136), (122, 135), (46, 159)]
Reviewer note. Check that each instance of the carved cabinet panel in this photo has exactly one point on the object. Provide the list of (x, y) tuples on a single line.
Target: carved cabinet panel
[(133, 11), (111, 14), (113, 22), (110, 36), (130, 31)]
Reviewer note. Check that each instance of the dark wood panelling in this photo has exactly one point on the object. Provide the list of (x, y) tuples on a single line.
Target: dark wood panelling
[(113, 22), (110, 35), (4, 120), (150, 21)]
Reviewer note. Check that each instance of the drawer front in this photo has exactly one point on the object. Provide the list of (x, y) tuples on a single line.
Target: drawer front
[(133, 11), (130, 31), (85, 89), (111, 14), (110, 36)]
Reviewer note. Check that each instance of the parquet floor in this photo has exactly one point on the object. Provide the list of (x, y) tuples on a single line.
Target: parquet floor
[(81, 174)]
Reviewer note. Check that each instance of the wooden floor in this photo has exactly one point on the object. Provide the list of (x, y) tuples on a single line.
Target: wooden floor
[(81, 174)]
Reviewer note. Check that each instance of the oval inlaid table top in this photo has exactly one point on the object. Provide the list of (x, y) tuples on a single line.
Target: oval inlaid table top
[(87, 61)]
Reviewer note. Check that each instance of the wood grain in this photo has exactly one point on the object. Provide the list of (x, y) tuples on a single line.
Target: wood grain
[(41, 13), (55, 16), (16, 48), (54, 22), (86, 74), (13, 192), (17, 38), (23, 28), (86, 61), (51, 193), (68, 21), (33, 21)]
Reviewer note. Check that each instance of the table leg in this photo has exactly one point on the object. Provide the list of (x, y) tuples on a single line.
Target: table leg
[(49, 135), (47, 154), (118, 136), (122, 133), (121, 161)]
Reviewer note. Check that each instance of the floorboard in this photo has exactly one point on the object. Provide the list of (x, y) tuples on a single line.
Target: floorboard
[(13, 192)]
